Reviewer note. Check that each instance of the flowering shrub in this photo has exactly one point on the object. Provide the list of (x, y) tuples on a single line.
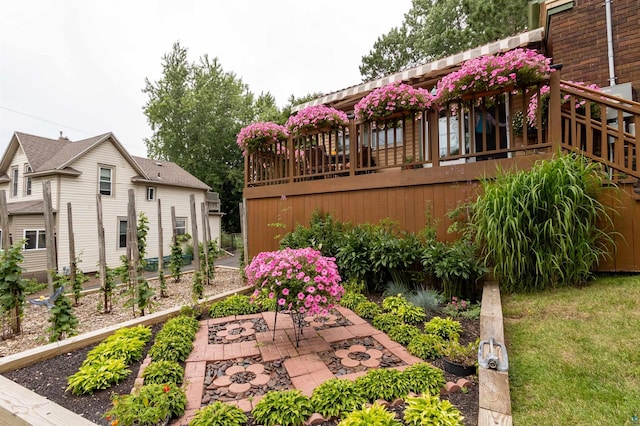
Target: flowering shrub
[(566, 98), (299, 279), (257, 135), (392, 98), (518, 67), (316, 117)]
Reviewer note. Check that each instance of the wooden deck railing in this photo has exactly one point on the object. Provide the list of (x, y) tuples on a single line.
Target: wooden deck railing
[(477, 128)]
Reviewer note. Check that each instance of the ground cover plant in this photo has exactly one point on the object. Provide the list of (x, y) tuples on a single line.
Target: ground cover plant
[(573, 353)]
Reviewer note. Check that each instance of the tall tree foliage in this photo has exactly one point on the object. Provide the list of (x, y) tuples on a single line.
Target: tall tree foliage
[(435, 28), (195, 111)]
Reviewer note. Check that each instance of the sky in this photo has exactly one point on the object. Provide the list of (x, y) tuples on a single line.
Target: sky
[(79, 66)]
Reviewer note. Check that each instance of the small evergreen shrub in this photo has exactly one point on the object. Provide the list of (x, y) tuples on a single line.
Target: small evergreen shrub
[(385, 322), (219, 414), (424, 378), (285, 408), (429, 410), (368, 309), (160, 372), (350, 300), (426, 346), (446, 328), (376, 415), (381, 383), (403, 333), (237, 304), (335, 397)]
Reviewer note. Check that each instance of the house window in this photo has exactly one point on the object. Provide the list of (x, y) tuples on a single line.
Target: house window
[(122, 233), (151, 193), (106, 180), (35, 239), (14, 182), (181, 225), (27, 180)]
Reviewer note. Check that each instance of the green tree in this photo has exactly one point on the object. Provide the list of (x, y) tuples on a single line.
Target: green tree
[(195, 111), (435, 28)]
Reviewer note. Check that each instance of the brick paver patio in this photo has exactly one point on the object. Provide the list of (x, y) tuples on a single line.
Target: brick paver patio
[(303, 364)]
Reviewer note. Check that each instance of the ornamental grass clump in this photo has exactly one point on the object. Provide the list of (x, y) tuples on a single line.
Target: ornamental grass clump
[(300, 280), (316, 118), (545, 227), (258, 135), (518, 67), (392, 98)]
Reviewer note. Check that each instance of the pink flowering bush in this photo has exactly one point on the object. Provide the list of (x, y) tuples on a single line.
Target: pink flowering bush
[(316, 117), (300, 280), (566, 98), (258, 135), (392, 98), (518, 67)]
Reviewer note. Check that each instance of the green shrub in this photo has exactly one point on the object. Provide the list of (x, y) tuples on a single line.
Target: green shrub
[(354, 285), (376, 415), (426, 346), (368, 309), (160, 372), (543, 228), (32, 285), (324, 234), (97, 375), (335, 397), (283, 408), (219, 414), (350, 300), (427, 299), (446, 328), (404, 309), (460, 268), (424, 378), (149, 407), (385, 322), (429, 410), (171, 348), (403, 333), (237, 304), (381, 383), (394, 303)]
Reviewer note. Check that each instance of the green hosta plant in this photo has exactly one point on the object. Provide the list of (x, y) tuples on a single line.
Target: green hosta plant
[(151, 406), (98, 375), (429, 410), (125, 343), (237, 304), (426, 346), (376, 415), (446, 328), (424, 378), (172, 348), (403, 333), (335, 397), (160, 372), (350, 300), (383, 383), (219, 414), (385, 322), (285, 408), (401, 307), (368, 309), (393, 303)]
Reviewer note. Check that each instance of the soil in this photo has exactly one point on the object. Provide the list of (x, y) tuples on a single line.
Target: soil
[(49, 378)]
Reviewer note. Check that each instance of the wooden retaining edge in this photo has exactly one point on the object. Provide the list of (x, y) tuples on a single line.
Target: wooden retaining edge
[(494, 397), (21, 406)]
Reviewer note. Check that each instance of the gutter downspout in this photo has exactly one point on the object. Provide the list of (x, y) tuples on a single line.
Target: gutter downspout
[(612, 72)]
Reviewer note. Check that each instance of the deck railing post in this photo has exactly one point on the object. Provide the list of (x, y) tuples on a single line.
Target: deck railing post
[(555, 117), (433, 142), (353, 147), (292, 159)]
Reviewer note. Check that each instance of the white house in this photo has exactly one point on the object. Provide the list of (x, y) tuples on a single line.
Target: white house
[(77, 171)]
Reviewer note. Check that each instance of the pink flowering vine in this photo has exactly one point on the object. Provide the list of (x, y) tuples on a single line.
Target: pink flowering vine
[(316, 117), (518, 67), (257, 135), (300, 280), (566, 98), (392, 98)]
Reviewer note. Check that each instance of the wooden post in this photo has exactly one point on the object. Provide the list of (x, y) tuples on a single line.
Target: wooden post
[(173, 225), (160, 248), (434, 138), (4, 217), (132, 233), (205, 243), (72, 246), (555, 117), (194, 227), (243, 228), (102, 257), (49, 231)]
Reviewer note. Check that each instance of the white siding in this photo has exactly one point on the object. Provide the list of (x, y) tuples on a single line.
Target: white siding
[(34, 260)]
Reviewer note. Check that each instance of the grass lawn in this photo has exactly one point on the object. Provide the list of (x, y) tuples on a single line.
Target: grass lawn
[(574, 354)]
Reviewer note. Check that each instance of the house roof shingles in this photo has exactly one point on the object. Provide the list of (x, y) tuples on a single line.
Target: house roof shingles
[(168, 173)]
